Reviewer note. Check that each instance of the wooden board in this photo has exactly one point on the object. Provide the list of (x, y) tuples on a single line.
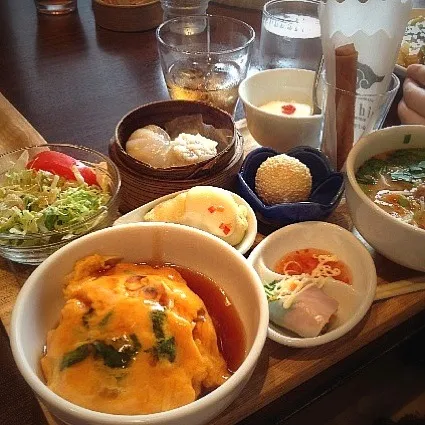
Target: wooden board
[(280, 369), (15, 131)]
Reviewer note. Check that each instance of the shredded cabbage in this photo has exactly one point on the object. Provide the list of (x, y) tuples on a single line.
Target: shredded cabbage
[(34, 201)]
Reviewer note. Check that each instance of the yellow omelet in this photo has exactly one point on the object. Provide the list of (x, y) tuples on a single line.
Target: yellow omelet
[(132, 339)]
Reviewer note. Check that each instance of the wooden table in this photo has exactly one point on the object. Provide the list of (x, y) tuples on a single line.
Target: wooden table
[(73, 82)]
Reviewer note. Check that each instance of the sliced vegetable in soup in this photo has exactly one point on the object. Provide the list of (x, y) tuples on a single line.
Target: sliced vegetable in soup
[(395, 181)]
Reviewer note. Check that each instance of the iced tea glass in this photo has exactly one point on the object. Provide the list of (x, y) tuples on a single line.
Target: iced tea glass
[(205, 58)]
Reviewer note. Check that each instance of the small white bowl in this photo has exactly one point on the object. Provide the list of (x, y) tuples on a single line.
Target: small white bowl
[(354, 301), (39, 303), (136, 216), (394, 239), (280, 132)]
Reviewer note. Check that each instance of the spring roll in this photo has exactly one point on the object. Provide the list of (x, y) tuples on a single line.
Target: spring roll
[(308, 315), (346, 79)]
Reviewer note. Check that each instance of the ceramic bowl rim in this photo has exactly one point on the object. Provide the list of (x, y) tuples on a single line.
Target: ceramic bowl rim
[(244, 83), (358, 147), (365, 305), (247, 241), (276, 207), (59, 403)]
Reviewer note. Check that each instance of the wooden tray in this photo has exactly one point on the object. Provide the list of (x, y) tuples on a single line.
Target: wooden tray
[(280, 369)]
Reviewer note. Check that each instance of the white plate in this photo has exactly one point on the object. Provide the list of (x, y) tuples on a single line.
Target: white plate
[(136, 216), (354, 301), (398, 69)]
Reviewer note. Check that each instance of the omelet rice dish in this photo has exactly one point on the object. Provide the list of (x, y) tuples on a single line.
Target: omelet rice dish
[(132, 339)]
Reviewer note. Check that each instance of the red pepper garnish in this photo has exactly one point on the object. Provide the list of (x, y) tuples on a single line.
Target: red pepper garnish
[(288, 109), (226, 229), (211, 209)]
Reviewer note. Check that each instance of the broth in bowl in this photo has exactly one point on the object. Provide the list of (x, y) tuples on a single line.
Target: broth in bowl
[(395, 181)]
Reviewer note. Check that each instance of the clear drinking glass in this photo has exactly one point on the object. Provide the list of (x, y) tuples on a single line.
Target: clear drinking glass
[(55, 7), (174, 8), (290, 35), (364, 112), (205, 58)]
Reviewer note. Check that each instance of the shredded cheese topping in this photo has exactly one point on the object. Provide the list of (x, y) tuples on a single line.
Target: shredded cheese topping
[(324, 269), (287, 289)]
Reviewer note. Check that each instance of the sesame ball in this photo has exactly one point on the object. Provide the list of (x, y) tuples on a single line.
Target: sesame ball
[(281, 179)]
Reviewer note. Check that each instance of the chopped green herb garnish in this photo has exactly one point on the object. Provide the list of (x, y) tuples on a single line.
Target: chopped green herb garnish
[(158, 318), (269, 290), (114, 353), (105, 319), (369, 172), (75, 356), (86, 317), (165, 349), (403, 165), (403, 201), (120, 352)]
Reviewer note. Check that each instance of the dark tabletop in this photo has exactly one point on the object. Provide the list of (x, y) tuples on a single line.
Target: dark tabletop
[(72, 80)]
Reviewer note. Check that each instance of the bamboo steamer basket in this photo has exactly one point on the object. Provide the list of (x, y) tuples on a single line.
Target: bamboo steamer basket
[(142, 183)]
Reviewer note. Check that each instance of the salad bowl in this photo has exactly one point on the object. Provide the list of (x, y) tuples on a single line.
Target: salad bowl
[(52, 194)]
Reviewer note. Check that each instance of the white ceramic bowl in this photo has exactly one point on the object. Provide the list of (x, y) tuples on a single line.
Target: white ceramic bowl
[(38, 306), (280, 132), (136, 216), (400, 242), (354, 301)]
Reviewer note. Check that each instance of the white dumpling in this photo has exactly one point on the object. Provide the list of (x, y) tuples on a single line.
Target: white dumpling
[(191, 149), (151, 146)]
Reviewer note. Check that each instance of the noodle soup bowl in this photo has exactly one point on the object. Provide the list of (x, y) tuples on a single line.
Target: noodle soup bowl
[(395, 239), (38, 308)]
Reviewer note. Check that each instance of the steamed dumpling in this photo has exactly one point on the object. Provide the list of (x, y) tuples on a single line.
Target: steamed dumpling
[(191, 149), (153, 146), (207, 208), (150, 145)]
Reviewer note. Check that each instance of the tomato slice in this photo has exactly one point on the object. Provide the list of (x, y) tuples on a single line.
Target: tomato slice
[(61, 164)]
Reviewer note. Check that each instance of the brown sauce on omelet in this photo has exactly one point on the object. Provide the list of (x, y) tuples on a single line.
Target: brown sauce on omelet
[(227, 324)]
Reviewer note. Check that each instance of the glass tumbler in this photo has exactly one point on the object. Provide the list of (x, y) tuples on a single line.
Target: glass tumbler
[(350, 116), (290, 35), (205, 58), (55, 7), (174, 8)]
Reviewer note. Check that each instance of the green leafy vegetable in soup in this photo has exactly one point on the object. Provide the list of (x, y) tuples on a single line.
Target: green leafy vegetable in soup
[(395, 181)]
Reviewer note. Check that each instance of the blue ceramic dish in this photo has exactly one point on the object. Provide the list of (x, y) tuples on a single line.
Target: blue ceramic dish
[(327, 188)]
